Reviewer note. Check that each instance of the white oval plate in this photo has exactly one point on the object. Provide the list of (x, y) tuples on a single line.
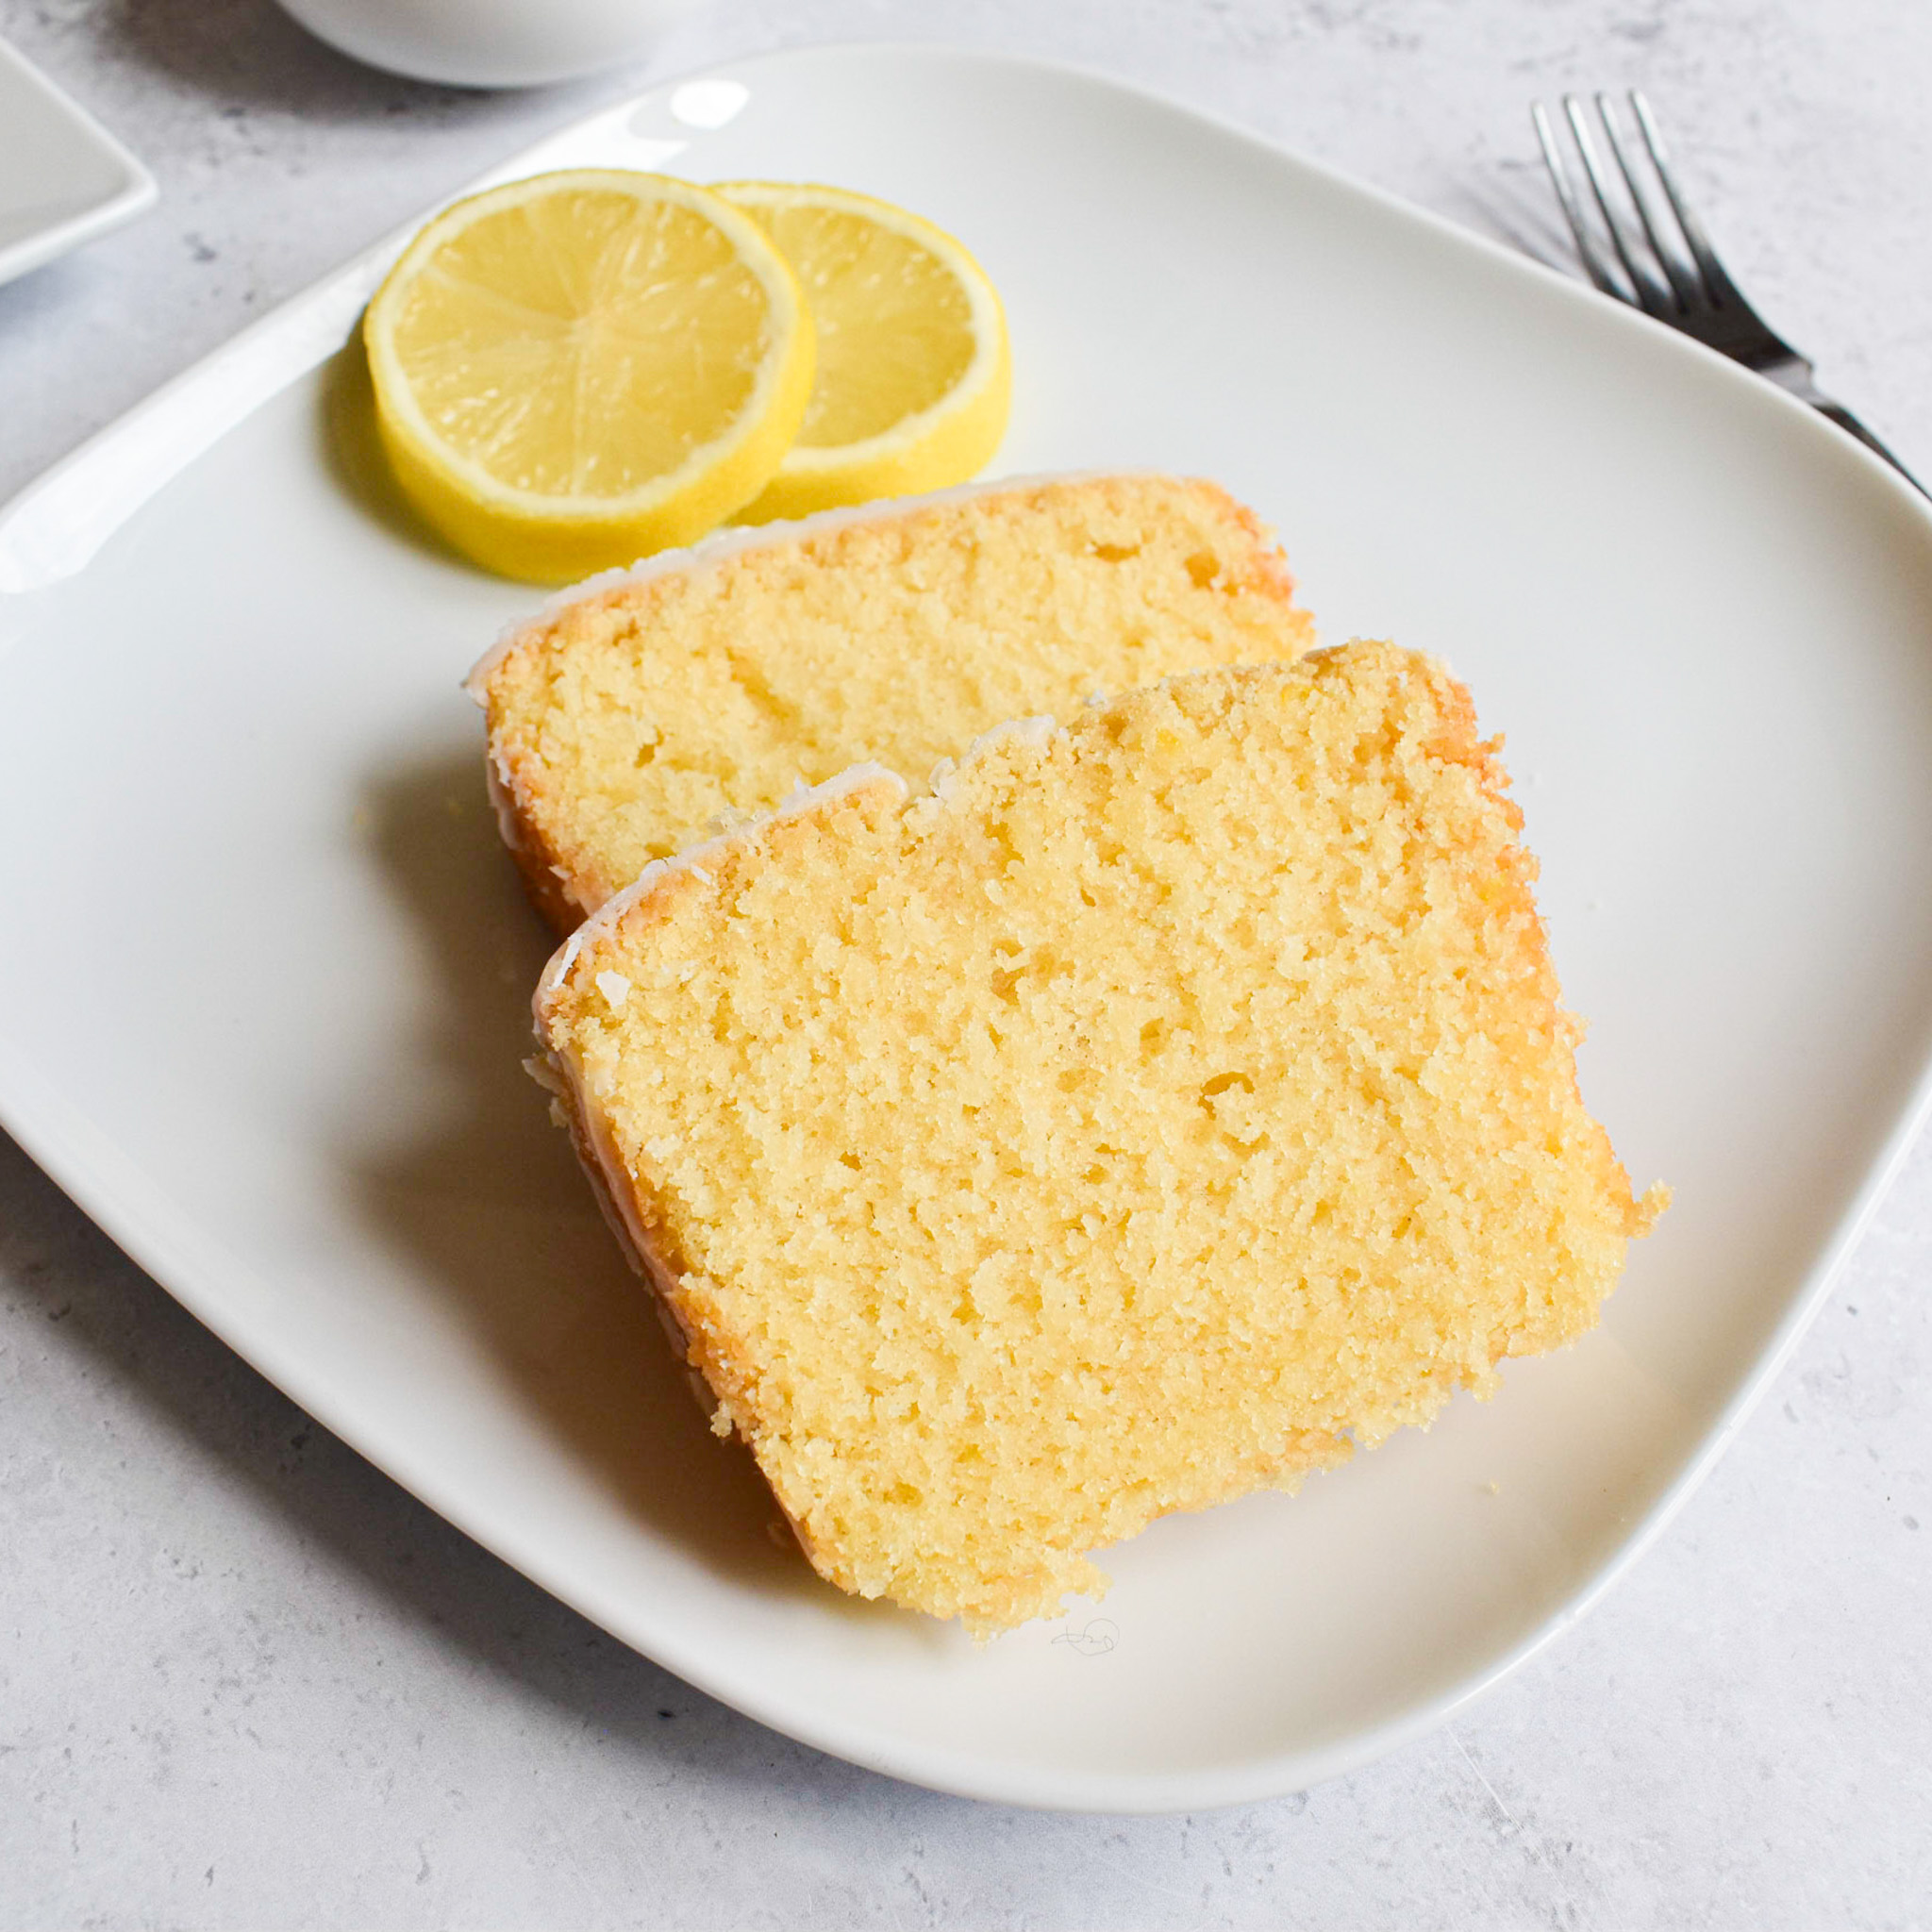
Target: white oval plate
[(266, 997)]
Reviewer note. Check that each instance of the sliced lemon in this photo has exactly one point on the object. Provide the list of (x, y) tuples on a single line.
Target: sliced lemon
[(576, 369), (914, 376)]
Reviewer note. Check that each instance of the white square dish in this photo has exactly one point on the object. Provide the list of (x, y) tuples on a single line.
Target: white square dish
[(64, 179), (266, 995)]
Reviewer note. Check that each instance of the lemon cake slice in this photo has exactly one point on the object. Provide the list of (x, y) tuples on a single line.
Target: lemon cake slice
[(640, 710), (1155, 1109)]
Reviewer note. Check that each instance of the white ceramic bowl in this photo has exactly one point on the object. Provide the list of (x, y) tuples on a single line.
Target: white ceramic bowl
[(489, 42)]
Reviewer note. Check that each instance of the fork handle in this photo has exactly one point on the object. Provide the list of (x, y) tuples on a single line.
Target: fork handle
[(1850, 423)]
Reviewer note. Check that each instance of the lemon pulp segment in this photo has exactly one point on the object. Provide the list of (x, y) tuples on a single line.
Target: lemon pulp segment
[(913, 377), (575, 370)]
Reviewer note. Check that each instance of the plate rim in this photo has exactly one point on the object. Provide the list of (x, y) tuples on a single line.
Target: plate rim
[(279, 349)]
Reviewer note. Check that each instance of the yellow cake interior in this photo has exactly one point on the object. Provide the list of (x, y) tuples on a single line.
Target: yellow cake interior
[(625, 724), (1151, 1114)]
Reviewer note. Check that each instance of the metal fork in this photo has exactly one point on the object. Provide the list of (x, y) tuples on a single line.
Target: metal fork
[(1666, 266)]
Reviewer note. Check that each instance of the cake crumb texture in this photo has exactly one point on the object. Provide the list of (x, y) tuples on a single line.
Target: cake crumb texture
[(1141, 1118), (624, 724)]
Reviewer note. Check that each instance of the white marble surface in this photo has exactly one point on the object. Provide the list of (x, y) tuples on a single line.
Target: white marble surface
[(245, 1681)]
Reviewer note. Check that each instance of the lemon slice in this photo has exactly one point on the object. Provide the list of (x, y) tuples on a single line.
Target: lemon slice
[(914, 376), (574, 370)]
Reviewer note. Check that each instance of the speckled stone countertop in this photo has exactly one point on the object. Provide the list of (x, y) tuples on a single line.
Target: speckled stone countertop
[(246, 1681)]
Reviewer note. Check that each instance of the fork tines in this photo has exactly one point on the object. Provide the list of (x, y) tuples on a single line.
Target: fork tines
[(1657, 255), (1658, 259)]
